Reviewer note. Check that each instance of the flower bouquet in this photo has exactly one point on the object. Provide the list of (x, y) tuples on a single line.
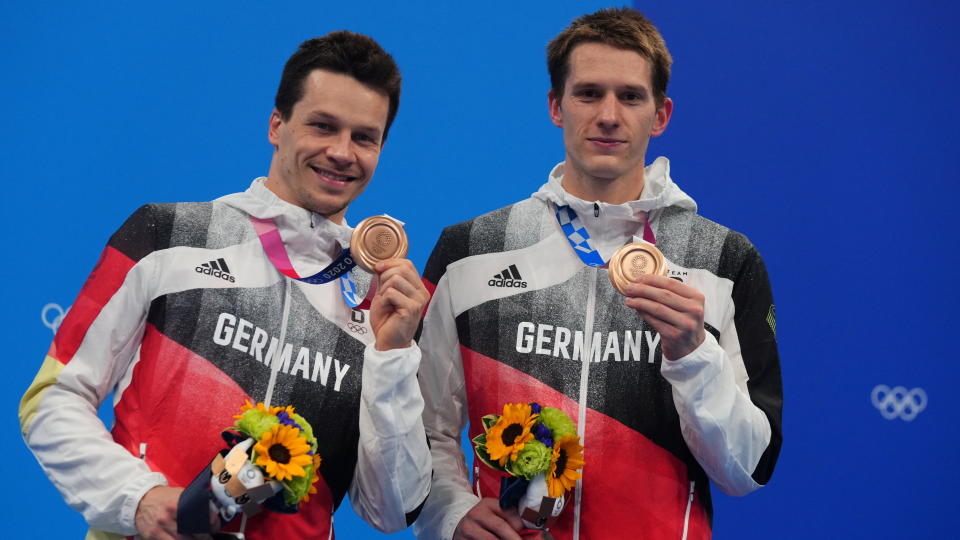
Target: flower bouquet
[(272, 463), (538, 447)]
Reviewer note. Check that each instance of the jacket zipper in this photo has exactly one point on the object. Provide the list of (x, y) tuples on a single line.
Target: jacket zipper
[(275, 365), (584, 376), (274, 368), (686, 515)]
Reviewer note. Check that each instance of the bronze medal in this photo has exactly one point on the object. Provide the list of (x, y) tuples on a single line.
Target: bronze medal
[(633, 260), (376, 239)]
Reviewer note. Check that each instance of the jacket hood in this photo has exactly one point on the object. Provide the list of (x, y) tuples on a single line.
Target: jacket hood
[(310, 238)]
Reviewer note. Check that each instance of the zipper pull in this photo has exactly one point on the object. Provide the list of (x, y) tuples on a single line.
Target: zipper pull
[(596, 210)]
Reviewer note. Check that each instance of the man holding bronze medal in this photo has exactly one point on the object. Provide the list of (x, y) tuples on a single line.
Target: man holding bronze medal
[(248, 306), (607, 297)]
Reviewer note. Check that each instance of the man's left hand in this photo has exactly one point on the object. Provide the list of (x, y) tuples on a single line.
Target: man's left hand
[(398, 304), (673, 309)]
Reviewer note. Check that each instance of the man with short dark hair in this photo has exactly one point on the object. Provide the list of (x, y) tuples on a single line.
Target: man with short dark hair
[(195, 308), (672, 379)]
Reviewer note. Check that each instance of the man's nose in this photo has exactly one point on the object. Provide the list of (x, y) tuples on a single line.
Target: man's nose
[(340, 150), (608, 114)]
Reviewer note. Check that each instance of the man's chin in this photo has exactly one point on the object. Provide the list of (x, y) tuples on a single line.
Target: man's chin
[(327, 204), (605, 173), (332, 210), (610, 168)]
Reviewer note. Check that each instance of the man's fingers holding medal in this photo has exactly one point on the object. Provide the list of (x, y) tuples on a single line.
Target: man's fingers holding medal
[(398, 304), (674, 309)]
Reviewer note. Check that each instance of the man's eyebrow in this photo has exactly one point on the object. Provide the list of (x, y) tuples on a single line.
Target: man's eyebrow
[(586, 83), (634, 88), (320, 115)]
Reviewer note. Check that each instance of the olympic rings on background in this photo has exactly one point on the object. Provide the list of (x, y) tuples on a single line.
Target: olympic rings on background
[(898, 402), (53, 324)]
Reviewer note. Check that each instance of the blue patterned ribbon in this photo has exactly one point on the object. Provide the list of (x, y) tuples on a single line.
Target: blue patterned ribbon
[(579, 238)]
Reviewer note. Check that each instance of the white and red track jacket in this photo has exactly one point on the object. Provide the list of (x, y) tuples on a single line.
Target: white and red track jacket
[(185, 318), (517, 316)]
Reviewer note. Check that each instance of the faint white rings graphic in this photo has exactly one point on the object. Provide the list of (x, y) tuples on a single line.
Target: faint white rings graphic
[(898, 402), (52, 315)]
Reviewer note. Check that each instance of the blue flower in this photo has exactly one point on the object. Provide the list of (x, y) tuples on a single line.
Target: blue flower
[(287, 421), (542, 433), (535, 407)]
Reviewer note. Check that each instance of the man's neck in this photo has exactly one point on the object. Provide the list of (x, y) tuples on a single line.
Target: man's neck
[(612, 191), (284, 194)]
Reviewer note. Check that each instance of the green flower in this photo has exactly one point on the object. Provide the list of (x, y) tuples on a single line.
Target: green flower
[(306, 428), (557, 422), (532, 460), (255, 423)]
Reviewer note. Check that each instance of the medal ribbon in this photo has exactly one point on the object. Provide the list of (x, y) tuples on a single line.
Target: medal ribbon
[(579, 238), (340, 267)]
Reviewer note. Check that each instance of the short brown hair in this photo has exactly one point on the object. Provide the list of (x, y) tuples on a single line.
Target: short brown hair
[(623, 28), (343, 52)]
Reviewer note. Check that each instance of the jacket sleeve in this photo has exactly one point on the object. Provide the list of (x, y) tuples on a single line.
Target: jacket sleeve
[(392, 476), (444, 417), (92, 350), (732, 425)]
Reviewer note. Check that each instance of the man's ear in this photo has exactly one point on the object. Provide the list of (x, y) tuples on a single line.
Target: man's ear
[(273, 128), (556, 115), (663, 118)]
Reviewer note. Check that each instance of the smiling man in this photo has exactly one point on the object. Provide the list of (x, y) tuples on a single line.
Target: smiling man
[(673, 380), (193, 310)]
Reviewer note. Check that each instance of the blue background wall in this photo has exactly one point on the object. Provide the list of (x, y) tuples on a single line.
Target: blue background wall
[(822, 130)]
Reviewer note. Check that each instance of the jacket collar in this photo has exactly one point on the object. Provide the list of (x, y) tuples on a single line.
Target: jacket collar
[(659, 191), (310, 238), (612, 225)]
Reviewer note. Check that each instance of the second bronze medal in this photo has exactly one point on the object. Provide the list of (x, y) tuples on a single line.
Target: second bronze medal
[(633, 260)]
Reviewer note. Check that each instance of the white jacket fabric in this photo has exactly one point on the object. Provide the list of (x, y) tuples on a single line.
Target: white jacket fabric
[(185, 318), (517, 316)]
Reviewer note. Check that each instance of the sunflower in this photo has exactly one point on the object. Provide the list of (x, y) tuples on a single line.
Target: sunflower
[(282, 451), (567, 460), (506, 438)]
